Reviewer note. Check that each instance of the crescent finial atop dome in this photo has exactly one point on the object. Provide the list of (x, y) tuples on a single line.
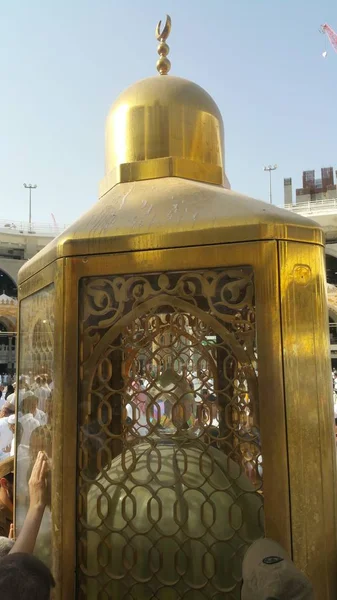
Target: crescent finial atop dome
[(163, 63)]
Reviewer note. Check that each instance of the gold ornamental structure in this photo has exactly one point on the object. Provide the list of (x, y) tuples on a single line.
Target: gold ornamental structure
[(184, 328)]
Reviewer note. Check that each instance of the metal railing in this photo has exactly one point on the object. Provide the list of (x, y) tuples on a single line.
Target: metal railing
[(314, 207), (23, 227)]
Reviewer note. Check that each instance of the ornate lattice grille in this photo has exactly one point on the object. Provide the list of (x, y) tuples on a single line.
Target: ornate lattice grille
[(169, 465)]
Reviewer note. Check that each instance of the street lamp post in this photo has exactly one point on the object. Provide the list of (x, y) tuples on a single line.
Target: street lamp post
[(30, 187), (270, 168)]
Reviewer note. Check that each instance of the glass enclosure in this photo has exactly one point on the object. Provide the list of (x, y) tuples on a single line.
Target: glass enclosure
[(34, 426), (169, 464)]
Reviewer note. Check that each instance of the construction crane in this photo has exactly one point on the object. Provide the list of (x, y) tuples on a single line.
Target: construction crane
[(332, 37)]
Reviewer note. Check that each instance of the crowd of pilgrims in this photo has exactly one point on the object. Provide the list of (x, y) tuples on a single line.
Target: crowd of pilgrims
[(34, 406), (195, 393), (199, 410), (24, 576)]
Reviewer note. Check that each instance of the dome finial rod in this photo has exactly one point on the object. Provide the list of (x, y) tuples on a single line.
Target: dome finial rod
[(163, 63)]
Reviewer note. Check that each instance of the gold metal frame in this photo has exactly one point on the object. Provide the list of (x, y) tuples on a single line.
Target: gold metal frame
[(274, 263), (270, 379), (311, 440), (171, 166), (35, 284), (64, 467)]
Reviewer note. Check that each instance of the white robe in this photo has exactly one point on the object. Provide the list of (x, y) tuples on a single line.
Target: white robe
[(6, 435), (28, 425)]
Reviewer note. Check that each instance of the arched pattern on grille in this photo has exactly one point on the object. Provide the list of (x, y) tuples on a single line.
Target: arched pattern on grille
[(170, 468)]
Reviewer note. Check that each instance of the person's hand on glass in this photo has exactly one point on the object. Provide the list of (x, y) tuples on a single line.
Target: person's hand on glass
[(38, 492), (38, 481), (11, 532)]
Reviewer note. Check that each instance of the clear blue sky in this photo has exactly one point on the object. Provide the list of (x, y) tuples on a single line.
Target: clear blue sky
[(63, 62)]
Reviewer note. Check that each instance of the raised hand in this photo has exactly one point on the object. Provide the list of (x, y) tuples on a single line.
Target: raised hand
[(38, 481)]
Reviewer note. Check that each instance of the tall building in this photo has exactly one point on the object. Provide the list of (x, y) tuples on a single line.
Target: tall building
[(18, 243), (317, 199), (313, 189)]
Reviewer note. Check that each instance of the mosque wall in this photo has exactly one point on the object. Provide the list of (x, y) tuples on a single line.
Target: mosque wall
[(11, 266)]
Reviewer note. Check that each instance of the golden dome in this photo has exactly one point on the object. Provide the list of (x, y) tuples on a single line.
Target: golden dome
[(163, 127)]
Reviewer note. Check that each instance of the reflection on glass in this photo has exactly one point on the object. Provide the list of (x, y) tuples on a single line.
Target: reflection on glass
[(33, 429), (170, 468)]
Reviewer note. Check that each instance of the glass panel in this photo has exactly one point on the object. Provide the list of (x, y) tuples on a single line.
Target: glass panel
[(36, 356), (170, 468)]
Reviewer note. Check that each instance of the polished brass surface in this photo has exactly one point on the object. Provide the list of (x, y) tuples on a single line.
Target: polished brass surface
[(65, 419), (264, 261), (163, 64), (309, 410), (40, 280), (263, 258), (64, 414), (172, 212), (271, 378), (172, 166), (188, 438), (164, 117)]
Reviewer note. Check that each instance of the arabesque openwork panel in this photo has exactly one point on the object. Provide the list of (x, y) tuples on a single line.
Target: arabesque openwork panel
[(169, 464)]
